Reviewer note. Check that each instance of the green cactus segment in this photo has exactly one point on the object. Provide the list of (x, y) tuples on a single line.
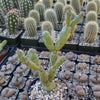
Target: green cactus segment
[(33, 2), (23, 59), (47, 3), (41, 9), (62, 1), (2, 45), (7, 5), (25, 6), (2, 19), (90, 32), (47, 26), (76, 5), (16, 3), (34, 14), (98, 5), (12, 21), (62, 38), (68, 7), (91, 16), (32, 54), (68, 17), (51, 16), (53, 58), (52, 70), (59, 10), (76, 19), (48, 41), (91, 6), (30, 26)]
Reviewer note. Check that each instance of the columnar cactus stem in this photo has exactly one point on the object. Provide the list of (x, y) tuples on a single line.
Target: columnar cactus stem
[(91, 6), (98, 5), (7, 5), (90, 32), (91, 16), (25, 7), (47, 26), (2, 19), (59, 10), (55, 61), (47, 3), (76, 5), (51, 16), (30, 26), (12, 21), (16, 3), (41, 9), (34, 14), (2, 45)]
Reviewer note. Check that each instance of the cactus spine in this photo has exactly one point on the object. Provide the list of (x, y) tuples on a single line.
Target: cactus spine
[(98, 5), (34, 14), (32, 61), (68, 7), (12, 21), (47, 3), (47, 26), (51, 16), (7, 5), (91, 6), (76, 5), (59, 10), (30, 26), (41, 9), (90, 32), (2, 19), (62, 1), (25, 6), (91, 16)]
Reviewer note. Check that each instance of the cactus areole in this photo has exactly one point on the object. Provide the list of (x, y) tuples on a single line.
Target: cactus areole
[(32, 61)]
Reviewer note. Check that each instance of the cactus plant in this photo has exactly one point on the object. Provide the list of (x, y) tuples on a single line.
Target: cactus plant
[(21, 22), (33, 2), (91, 16), (7, 5), (98, 5), (67, 7), (62, 1), (25, 7), (34, 14), (47, 26), (47, 3), (76, 5), (2, 19), (30, 26), (41, 9), (16, 3), (12, 21), (73, 28), (51, 16), (90, 32), (91, 6), (2, 44), (59, 10), (32, 61)]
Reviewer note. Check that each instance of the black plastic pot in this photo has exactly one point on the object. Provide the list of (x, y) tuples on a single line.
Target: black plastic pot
[(37, 79), (12, 41)]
